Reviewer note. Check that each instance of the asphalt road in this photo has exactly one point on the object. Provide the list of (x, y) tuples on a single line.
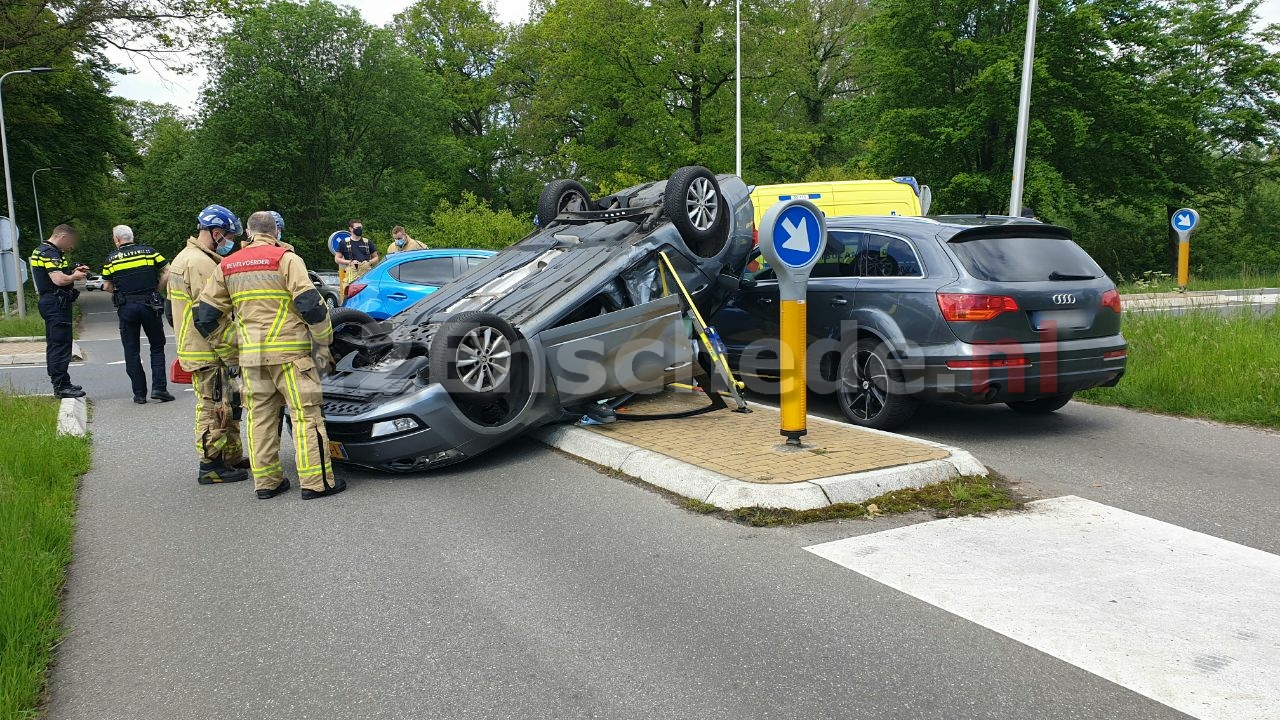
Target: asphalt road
[(526, 585)]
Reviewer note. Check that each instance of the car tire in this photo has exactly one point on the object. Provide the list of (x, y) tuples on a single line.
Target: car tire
[(350, 324), (331, 300), (478, 357), (561, 196), (1041, 406), (696, 207), (867, 383)]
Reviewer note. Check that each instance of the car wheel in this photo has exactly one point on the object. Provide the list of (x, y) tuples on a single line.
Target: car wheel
[(867, 390), (350, 329), (694, 204), (561, 196), (1041, 406), (478, 358), (331, 300)]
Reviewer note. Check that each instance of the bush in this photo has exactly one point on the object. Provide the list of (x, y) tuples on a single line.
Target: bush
[(470, 223)]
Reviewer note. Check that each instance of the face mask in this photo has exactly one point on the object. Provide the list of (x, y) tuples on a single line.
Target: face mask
[(358, 232), (400, 242), (226, 246)]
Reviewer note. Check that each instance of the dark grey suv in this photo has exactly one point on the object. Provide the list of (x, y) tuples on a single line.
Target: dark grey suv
[(975, 309)]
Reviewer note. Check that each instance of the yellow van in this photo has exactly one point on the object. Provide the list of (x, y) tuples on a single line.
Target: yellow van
[(899, 196)]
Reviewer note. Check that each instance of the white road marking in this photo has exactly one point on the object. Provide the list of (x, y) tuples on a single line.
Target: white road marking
[(118, 362), (42, 368), (1186, 619)]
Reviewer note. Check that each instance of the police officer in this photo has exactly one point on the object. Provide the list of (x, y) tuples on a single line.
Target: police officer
[(356, 255), (284, 335), (55, 282), (217, 431), (134, 276)]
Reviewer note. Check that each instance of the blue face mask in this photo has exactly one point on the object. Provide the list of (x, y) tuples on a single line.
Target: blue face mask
[(228, 244), (401, 242)]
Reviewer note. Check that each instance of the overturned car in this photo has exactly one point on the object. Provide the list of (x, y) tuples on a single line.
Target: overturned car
[(584, 309)]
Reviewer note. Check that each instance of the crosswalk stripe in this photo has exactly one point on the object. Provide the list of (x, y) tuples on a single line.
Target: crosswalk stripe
[(1184, 618)]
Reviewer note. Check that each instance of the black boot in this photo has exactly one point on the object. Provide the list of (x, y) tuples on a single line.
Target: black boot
[(162, 396), (69, 391), (268, 494), (217, 473), (338, 486)]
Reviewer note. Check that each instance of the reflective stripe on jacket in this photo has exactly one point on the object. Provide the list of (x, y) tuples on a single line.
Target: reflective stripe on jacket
[(188, 274)]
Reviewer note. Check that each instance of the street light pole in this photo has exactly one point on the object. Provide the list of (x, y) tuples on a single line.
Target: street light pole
[(8, 188), (1024, 113), (35, 197), (737, 76)]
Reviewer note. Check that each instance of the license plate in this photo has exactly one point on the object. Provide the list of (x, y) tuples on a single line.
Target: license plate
[(336, 450), (1079, 319)]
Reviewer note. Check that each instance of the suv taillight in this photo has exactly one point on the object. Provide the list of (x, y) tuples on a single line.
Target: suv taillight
[(354, 289), (967, 307), (1111, 299)]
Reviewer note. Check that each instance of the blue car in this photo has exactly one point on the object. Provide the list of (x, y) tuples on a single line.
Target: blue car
[(402, 279)]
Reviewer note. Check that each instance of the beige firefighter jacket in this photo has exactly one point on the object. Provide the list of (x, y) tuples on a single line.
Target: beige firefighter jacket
[(188, 273), (278, 314)]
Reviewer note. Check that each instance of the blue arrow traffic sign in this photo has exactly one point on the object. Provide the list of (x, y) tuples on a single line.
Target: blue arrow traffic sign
[(797, 236), (1185, 220), (337, 239)]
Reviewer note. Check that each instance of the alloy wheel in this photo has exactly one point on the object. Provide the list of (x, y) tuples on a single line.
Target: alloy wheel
[(484, 359), (864, 387), (702, 204)]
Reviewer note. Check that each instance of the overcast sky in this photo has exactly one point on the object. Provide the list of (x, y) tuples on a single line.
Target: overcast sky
[(162, 87)]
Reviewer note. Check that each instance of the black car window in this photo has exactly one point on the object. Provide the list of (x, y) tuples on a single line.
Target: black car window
[(428, 271), (888, 256), (1024, 259), (837, 260)]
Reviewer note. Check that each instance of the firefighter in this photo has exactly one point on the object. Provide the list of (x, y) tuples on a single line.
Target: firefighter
[(55, 283), (217, 427), (356, 255), (135, 274), (284, 334)]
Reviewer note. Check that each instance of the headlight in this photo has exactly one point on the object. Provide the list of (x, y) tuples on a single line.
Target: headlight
[(394, 427)]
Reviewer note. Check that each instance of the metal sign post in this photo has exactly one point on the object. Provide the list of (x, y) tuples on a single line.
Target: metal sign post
[(793, 235), (1184, 222)]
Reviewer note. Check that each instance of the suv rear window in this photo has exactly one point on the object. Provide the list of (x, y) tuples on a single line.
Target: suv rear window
[(1024, 259)]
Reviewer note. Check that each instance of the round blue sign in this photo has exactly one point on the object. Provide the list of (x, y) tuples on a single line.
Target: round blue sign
[(1185, 220), (797, 236), (337, 239)]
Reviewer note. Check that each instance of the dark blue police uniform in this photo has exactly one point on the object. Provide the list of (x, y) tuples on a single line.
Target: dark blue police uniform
[(55, 308), (135, 271)]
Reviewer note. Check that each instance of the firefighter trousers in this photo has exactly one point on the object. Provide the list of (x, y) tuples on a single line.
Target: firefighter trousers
[(217, 419), (269, 389)]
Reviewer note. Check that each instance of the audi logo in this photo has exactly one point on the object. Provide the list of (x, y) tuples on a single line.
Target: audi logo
[(1064, 299)]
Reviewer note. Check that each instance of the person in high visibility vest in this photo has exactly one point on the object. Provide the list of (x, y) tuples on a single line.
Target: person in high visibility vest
[(284, 333), (135, 275), (217, 422)]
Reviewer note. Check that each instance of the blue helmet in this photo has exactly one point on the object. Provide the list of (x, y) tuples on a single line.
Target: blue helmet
[(216, 216), (279, 220)]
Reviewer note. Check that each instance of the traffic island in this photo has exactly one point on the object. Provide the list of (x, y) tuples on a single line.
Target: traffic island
[(736, 460), (29, 351)]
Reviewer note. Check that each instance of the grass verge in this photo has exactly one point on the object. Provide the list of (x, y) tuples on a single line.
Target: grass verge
[(968, 495), (1159, 282), (1201, 365), (39, 474)]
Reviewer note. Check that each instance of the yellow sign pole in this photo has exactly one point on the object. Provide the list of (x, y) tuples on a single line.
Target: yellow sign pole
[(1184, 263), (1184, 222), (794, 320), (793, 235)]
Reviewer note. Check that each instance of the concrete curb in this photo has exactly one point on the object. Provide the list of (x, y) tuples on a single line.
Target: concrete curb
[(707, 486), (77, 355), (73, 417), (33, 338)]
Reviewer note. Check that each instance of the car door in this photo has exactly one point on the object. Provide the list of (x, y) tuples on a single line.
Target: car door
[(833, 284), (415, 279), (629, 350)]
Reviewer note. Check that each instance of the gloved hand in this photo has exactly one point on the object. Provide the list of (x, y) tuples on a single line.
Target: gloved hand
[(324, 361), (233, 371)]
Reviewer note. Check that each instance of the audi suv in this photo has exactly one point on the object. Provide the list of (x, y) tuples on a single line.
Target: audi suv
[(971, 308)]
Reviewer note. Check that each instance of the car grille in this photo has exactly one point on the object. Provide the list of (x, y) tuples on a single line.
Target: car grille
[(350, 432), (345, 408)]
